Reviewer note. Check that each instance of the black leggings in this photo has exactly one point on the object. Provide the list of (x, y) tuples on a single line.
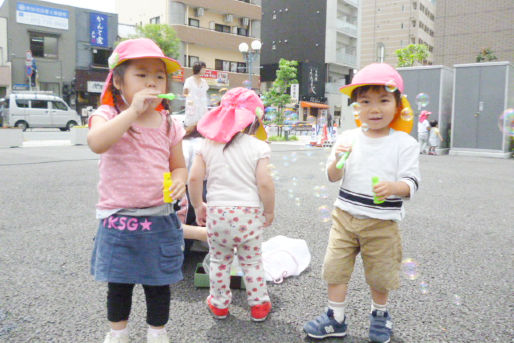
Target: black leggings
[(119, 302)]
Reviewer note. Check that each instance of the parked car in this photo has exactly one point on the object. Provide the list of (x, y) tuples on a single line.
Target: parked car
[(38, 109)]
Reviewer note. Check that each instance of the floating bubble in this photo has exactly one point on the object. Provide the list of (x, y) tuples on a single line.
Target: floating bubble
[(246, 83), (406, 114), (316, 191), (391, 86), (297, 201), (290, 193), (286, 164), (308, 153), (285, 157), (506, 122), (356, 108), (324, 213), (293, 157), (422, 99), (423, 287), (364, 127), (323, 194), (457, 300), (410, 268)]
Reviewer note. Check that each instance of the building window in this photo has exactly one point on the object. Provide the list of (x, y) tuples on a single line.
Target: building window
[(194, 22), (241, 67), (155, 20), (401, 25), (100, 57), (380, 52), (191, 60), (414, 5), (234, 67), (43, 45), (222, 28), (242, 31), (413, 23)]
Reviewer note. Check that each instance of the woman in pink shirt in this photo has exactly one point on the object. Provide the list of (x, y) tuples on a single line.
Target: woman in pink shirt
[(139, 239)]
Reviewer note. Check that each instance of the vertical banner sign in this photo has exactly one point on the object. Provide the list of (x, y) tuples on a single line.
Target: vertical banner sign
[(98, 29), (295, 91)]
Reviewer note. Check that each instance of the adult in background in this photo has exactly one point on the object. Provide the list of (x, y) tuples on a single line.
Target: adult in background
[(195, 91)]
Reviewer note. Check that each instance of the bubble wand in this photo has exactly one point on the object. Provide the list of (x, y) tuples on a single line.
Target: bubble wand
[(374, 181), (169, 96)]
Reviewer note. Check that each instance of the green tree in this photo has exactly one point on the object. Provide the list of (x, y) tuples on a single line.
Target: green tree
[(486, 55), (411, 54), (164, 35), (278, 94)]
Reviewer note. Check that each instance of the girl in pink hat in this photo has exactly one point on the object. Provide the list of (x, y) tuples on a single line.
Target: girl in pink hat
[(139, 239), (240, 197), (423, 130)]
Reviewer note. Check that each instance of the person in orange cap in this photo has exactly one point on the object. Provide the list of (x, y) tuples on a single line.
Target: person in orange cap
[(240, 197), (139, 239), (377, 166)]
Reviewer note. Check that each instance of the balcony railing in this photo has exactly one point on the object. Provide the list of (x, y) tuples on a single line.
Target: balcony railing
[(346, 27), (354, 3), (346, 59)]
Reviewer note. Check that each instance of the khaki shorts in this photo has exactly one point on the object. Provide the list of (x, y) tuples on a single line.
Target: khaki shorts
[(377, 240)]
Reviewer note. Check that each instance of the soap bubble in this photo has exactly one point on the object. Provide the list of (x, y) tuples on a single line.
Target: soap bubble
[(364, 127), (410, 268), (406, 114), (423, 287), (506, 122), (297, 201), (422, 99), (456, 299), (246, 83), (324, 213), (391, 86), (323, 194)]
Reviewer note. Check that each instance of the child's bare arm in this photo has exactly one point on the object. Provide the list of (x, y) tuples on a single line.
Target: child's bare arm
[(196, 177), (384, 189), (178, 172), (266, 190), (103, 134)]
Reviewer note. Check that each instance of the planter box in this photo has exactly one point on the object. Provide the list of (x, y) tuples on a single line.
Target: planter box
[(79, 135), (202, 279), (11, 138)]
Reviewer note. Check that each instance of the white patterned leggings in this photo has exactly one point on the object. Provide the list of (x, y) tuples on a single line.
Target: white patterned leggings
[(239, 228)]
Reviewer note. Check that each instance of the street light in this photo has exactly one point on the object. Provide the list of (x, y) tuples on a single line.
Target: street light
[(250, 55)]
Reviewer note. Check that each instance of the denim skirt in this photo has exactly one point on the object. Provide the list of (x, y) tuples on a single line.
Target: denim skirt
[(138, 250)]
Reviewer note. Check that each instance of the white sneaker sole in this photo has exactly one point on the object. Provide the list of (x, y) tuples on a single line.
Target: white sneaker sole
[(340, 334)]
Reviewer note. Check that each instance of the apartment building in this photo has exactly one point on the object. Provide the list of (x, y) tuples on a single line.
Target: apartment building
[(464, 27), (326, 49), (210, 31), (390, 25)]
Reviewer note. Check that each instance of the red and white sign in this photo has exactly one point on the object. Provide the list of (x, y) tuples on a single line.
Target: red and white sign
[(216, 77)]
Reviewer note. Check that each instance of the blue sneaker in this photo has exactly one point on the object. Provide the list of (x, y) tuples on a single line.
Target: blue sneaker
[(380, 327), (325, 326)]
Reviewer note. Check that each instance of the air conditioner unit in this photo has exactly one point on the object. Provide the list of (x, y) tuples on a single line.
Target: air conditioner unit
[(199, 12), (228, 18), (245, 21)]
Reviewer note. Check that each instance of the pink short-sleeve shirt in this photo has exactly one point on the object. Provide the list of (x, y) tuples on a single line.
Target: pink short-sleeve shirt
[(131, 171)]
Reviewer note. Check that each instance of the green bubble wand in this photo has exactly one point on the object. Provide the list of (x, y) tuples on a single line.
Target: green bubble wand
[(169, 96)]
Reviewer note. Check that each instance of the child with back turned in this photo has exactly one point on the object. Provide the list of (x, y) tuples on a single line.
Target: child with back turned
[(366, 215), (240, 198)]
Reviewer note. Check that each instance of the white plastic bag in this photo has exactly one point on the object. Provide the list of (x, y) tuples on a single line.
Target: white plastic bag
[(283, 256)]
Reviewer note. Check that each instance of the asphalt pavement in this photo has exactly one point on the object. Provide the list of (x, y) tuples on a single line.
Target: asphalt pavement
[(458, 231)]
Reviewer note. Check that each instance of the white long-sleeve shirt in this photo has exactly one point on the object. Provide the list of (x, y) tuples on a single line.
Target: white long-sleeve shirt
[(391, 158)]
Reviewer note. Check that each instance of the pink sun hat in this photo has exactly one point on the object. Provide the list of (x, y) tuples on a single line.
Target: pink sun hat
[(134, 49), (239, 108), (383, 74)]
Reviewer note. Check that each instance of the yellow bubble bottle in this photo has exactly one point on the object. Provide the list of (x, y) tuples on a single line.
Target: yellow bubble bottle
[(166, 187)]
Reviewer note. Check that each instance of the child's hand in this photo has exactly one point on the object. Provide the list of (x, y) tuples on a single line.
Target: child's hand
[(144, 100), (341, 148), (383, 189), (201, 214), (268, 218), (177, 189)]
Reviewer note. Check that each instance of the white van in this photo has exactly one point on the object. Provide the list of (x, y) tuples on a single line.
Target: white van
[(38, 109)]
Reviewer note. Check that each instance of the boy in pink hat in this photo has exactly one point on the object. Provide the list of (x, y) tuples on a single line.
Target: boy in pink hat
[(139, 238), (366, 214), (240, 197)]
